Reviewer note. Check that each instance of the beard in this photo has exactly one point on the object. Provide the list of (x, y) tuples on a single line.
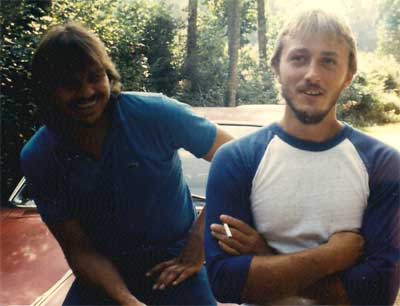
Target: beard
[(304, 116)]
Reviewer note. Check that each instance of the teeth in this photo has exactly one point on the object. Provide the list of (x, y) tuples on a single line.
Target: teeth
[(86, 105), (313, 92)]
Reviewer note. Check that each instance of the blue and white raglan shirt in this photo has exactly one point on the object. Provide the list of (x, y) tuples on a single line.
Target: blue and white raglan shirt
[(297, 194), (135, 196)]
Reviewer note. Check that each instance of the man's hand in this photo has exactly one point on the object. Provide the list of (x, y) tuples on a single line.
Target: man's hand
[(244, 240), (175, 271)]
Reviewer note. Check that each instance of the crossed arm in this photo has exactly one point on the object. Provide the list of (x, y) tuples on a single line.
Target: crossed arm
[(309, 274), (331, 273)]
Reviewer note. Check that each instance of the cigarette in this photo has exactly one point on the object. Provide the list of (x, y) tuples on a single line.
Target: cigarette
[(227, 230)]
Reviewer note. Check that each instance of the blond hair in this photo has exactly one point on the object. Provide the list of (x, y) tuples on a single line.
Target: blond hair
[(312, 22)]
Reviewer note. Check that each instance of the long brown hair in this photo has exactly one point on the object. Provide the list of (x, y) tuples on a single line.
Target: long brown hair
[(65, 51)]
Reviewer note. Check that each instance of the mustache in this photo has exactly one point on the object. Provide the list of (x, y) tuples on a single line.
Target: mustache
[(309, 86)]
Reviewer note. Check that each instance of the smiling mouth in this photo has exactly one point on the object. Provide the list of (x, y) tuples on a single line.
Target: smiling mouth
[(313, 93), (86, 103)]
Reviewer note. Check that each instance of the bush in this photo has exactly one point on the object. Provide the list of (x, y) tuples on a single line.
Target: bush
[(119, 24), (21, 27), (374, 96), (255, 86)]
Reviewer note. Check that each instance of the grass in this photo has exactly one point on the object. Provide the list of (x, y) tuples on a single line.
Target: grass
[(389, 133)]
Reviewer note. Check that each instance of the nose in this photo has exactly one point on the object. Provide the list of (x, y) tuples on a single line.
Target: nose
[(313, 73)]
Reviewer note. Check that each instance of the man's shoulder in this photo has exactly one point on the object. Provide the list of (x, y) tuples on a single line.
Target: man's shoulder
[(39, 148), (148, 104), (141, 96), (370, 144), (373, 151), (251, 145), (258, 137), (142, 100)]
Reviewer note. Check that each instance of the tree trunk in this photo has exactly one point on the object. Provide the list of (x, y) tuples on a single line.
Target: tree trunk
[(262, 35), (191, 62), (233, 10)]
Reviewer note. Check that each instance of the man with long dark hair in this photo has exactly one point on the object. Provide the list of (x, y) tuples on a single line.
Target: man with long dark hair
[(107, 179)]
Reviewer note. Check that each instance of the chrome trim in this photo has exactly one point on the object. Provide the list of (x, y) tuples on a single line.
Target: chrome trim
[(17, 189), (40, 300)]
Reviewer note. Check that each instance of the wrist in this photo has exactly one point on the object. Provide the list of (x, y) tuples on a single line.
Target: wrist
[(126, 298)]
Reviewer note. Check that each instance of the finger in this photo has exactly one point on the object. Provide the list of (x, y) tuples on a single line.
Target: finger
[(236, 233), (160, 267), (238, 224), (228, 249), (185, 275), (231, 242), (168, 276), (219, 228)]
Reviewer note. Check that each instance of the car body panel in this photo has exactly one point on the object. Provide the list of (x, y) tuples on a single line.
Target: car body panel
[(244, 114), (31, 259), (57, 293)]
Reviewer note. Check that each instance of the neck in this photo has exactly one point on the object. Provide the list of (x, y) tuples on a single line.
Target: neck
[(86, 134), (320, 132)]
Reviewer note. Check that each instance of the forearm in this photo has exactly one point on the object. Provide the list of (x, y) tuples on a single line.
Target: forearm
[(327, 291), (90, 265), (198, 224), (196, 234), (275, 277), (99, 272)]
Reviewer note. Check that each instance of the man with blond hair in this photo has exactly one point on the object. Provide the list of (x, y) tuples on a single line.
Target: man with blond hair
[(323, 197)]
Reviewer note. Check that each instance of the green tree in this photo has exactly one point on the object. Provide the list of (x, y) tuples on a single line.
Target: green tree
[(157, 38), (233, 12), (389, 28), (22, 23), (191, 60)]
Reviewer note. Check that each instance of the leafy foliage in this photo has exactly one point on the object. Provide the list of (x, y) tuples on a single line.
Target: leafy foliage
[(158, 35), (21, 33), (389, 28), (374, 96), (146, 40)]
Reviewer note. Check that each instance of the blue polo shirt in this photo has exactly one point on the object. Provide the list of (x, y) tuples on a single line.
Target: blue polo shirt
[(135, 196)]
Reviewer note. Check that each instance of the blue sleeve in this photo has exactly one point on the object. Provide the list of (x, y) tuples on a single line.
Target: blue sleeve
[(185, 129), (44, 182), (375, 279), (228, 191)]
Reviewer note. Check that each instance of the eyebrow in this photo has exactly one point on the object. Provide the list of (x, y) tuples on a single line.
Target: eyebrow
[(330, 53), (305, 50)]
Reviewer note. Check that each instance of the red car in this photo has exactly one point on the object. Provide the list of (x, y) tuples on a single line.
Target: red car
[(33, 268)]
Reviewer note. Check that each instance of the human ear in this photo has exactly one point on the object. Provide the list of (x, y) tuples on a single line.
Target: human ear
[(275, 71), (348, 80)]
